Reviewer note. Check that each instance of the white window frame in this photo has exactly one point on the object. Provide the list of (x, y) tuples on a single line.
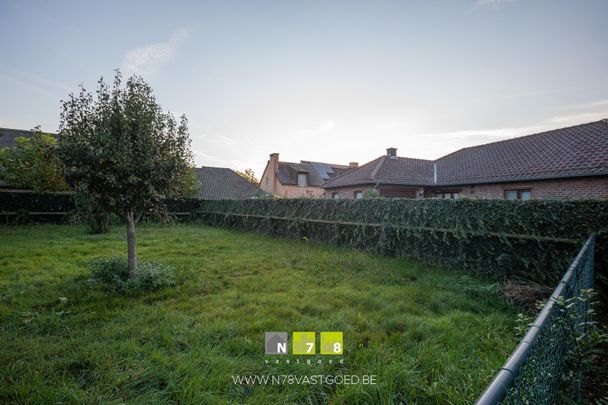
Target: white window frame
[(518, 193), (303, 176)]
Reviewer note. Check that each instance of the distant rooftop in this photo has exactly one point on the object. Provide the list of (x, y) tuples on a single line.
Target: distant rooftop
[(219, 183), (318, 172), (8, 136), (580, 150)]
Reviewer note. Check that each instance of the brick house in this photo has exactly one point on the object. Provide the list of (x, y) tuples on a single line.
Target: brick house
[(568, 162), (294, 180)]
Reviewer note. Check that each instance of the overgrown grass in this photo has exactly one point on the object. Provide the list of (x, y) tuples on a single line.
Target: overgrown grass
[(430, 335)]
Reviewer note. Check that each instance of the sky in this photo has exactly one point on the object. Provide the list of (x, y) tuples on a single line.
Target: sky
[(331, 81)]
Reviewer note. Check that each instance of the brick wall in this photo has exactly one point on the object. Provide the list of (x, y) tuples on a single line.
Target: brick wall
[(588, 187), (385, 191), (347, 192), (271, 184), (289, 191)]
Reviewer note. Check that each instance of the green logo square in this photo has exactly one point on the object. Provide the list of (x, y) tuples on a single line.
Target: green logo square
[(332, 343), (303, 343)]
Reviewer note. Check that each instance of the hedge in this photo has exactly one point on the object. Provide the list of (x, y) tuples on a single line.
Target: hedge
[(533, 240), (28, 207), (36, 202)]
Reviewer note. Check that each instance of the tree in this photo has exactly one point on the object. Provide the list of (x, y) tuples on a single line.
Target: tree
[(248, 175), (189, 185), (33, 163), (123, 150)]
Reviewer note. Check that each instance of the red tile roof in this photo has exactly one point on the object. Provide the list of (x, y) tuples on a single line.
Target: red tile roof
[(580, 150)]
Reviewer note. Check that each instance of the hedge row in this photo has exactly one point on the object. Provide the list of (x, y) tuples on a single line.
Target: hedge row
[(36, 202), (25, 204), (533, 240)]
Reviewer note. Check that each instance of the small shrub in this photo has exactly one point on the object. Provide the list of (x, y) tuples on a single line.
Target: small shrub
[(113, 275), (371, 193)]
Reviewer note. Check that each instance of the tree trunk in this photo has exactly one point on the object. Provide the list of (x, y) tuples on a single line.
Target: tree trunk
[(132, 255)]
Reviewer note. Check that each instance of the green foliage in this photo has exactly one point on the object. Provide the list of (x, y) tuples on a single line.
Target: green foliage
[(121, 148), (188, 184), (38, 202), (473, 234), (33, 163), (587, 344), (248, 175), (480, 235), (90, 212), (410, 324), (80, 208), (113, 275), (371, 193)]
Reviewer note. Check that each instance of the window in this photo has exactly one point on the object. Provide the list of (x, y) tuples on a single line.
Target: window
[(454, 195), (266, 180), (522, 194), (302, 179), (358, 194), (334, 196)]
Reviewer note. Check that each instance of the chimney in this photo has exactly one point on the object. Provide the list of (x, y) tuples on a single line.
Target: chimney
[(353, 165), (392, 152), (274, 160)]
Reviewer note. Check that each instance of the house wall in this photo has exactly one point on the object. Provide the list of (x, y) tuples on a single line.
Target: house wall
[(401, 192), (586, 187), (290, 191), (271, 184), (347, 192), (385, 191)]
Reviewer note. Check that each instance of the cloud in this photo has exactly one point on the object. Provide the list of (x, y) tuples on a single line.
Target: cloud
[(322, 129), (145, 60), (219, 139), (33, 82), (585, 106)]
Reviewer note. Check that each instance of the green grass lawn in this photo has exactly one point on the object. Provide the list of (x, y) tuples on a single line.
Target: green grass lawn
[(429, 335)]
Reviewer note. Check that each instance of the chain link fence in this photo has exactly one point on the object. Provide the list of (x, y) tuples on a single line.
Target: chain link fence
[(536, 371)]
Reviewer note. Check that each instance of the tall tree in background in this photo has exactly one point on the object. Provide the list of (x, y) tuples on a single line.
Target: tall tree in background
[(123, 150), (248, 175), (33, 164), (189, 184)]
